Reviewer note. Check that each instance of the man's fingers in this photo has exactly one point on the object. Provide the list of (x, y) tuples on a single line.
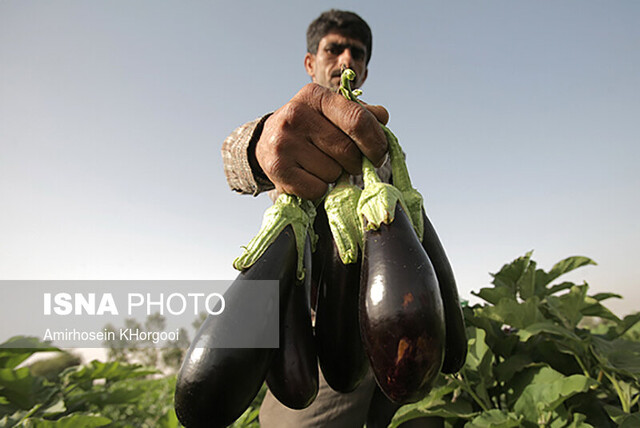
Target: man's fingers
[(379, 112), (317, 163), (354, 120), (336, 144), (303, 184)]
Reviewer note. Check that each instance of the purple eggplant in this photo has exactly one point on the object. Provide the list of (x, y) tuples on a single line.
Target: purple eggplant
[(321, 229), (401, 312), (293, 374), (340, 351), (216, 385), (455, 351)]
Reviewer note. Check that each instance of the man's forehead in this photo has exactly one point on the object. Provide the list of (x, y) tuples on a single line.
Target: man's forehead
[(342, 40)]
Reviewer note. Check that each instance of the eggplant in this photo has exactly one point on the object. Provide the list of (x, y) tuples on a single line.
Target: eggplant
[(455, 351), (401, 311), (215, 385), (340, 352), (293, 374), (321, 229)]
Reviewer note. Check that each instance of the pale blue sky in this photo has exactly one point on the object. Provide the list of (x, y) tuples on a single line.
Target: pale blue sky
[(519, 120)]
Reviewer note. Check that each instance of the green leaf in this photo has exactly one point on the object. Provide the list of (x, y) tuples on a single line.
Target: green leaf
[(561, 268), (559, 287), (593, 308), (526, 284), (546, 391), (621, 418), (494, 294), (495, 418), (631, 421), (506, 369), (604, 296), (110, 371), (568, 307), (579, 421), (509, 274), (23, 390), (17, 349), (517, 315), (71, 421), (117, 394), (620, 355), (477, 370), (459, 409), (479, 356), (623, 326), (549, 328)]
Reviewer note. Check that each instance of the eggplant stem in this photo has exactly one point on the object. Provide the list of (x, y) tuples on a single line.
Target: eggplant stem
[(377, 203), (402, 181), (287, 210)]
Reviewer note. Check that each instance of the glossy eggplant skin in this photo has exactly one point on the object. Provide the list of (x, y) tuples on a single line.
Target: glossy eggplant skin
[(455, 352), (216, 385), (342, 358), (293, 374), (322, 230), (401, 312)]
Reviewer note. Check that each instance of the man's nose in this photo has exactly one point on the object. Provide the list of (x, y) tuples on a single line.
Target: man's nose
[(346, 58)]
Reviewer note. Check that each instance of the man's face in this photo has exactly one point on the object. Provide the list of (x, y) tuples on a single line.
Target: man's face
[(335, 50)]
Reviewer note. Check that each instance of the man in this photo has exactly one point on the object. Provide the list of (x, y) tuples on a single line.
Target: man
[(306, 144), (300, 149)]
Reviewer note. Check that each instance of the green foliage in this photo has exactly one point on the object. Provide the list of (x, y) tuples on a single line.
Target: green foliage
[(97, 394), (50, 368), (541, 353), (533, 361)]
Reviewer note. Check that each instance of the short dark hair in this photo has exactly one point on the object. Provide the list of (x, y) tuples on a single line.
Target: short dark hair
[(346, 23)]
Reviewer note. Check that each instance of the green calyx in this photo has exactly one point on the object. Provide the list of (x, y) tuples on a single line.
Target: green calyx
[(412, 198), (340, 205), (377, 204), (287, 210)]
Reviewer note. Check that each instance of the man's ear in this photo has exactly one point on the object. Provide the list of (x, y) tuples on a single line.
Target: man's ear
[(310, 65)]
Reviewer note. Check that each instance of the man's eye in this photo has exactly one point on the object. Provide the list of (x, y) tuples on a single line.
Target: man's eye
[(334, 50), (357, 54)]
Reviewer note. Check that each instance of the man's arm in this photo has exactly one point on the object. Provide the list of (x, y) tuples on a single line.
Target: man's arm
[(243, 173)]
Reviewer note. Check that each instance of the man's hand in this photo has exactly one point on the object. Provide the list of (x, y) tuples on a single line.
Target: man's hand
[(308, 142)]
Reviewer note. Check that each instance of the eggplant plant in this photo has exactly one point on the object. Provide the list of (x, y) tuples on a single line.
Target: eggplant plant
[(542, 351)]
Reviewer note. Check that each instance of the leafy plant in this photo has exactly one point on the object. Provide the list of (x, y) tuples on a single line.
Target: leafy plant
[(98, 394), (533, 362)]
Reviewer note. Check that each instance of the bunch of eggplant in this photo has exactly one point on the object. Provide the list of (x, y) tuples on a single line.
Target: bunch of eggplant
[(409, 315), (216, 385), (381, 286)]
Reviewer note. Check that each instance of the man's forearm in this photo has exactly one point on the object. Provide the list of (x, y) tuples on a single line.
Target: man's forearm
[(243, 173)]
